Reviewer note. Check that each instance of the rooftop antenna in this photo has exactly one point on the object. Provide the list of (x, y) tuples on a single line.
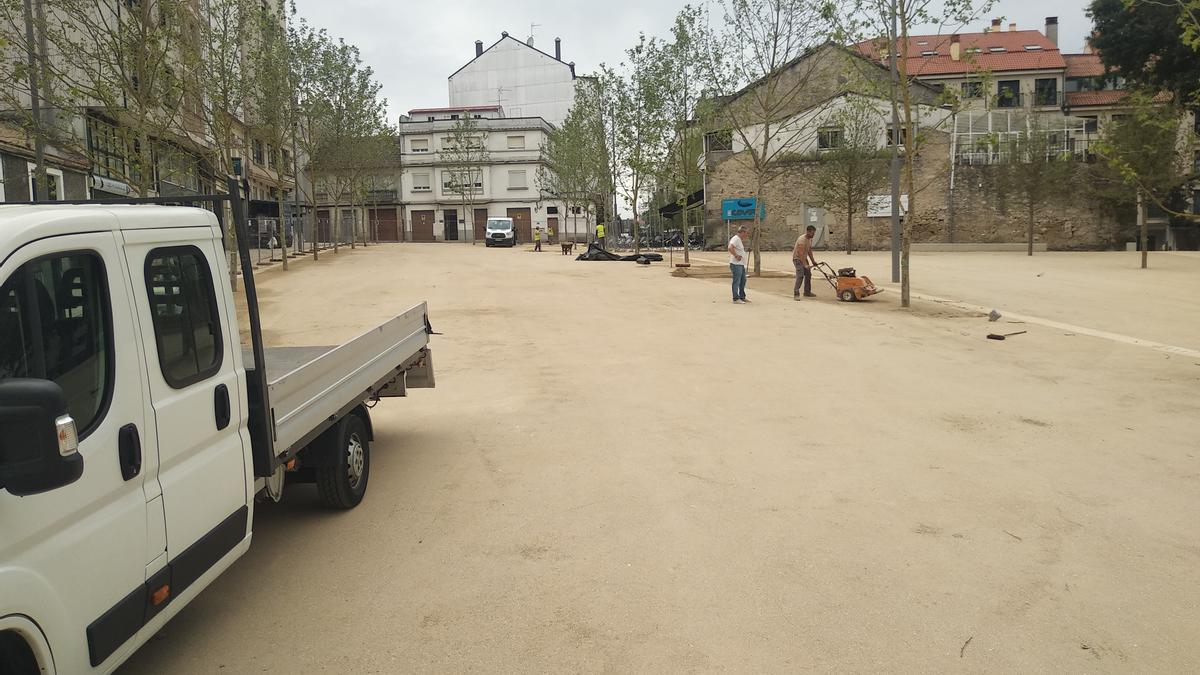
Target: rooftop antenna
[(532, 28), (500, 96)]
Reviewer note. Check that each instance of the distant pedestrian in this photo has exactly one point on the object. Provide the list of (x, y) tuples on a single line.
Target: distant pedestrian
[(802, 258), (600, 234), (537, 240), (737, 263)]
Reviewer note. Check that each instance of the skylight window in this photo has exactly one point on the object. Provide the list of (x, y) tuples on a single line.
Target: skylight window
[(996, 49), (922, 43), (1032, 48), (929, 53)]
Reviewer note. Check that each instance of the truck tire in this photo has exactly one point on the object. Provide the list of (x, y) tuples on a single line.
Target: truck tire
[(343, 485)]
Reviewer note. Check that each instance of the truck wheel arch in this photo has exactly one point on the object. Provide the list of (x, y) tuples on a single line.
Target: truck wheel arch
[(23, 647), (323, 451)]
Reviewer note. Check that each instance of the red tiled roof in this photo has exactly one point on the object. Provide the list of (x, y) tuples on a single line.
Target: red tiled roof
[(1015, 56), (1084, 65), (1080, 99)]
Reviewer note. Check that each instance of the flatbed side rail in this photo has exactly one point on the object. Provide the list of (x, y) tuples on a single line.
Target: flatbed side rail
[(313, 395)]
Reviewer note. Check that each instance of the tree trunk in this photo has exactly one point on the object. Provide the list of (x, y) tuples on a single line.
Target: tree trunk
[(1029, 233), (849, 223), (281, 231), (1143, 229), (335, 224), (637, 228), (756, 235), (312, 201)]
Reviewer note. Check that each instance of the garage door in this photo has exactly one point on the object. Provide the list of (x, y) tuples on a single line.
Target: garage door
[(422, 225), (480, 224), (385, 225), (523, 222)]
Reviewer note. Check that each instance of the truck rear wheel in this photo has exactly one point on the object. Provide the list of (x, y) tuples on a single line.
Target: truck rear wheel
[(343, 485)]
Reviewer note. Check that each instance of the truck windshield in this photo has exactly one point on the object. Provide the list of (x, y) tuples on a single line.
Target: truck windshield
[(499, 224)]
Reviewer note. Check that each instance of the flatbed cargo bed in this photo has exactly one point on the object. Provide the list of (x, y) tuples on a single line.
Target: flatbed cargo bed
[(310, 388)]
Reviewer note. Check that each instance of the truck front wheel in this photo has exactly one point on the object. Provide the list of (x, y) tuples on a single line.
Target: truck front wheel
[(343, 484)]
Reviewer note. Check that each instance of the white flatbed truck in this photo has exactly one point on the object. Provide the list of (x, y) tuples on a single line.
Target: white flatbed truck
[(135, 431)]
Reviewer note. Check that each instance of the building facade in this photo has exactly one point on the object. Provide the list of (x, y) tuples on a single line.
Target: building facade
[(523, 80)]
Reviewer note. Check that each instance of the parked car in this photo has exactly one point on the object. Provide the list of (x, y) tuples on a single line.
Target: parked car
[(500, 232), (136, 435)]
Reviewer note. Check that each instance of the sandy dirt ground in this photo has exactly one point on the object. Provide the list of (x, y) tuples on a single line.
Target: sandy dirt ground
[(623, 471)]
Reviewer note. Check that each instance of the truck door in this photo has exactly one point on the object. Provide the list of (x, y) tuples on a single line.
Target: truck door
[(74, 558), (194, 393)]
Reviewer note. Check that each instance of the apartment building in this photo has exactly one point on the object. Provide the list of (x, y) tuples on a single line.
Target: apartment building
[(505, 184), (92, 150), (520, 78)]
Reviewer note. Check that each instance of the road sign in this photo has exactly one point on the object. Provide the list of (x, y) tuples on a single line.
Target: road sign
[(741, 208)]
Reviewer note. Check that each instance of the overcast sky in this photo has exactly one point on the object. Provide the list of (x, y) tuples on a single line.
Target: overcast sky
[(415, 46)]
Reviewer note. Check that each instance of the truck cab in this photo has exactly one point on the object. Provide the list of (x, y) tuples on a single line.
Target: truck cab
[(501, 232), (128, 459)]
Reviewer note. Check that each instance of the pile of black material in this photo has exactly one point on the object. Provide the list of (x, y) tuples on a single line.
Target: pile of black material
[(594, 252)]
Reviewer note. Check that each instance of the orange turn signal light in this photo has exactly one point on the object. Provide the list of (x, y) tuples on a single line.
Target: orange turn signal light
[(160, 595)]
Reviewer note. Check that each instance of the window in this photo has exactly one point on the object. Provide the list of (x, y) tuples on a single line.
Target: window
[(1045, 91), (516, 180), (287, 160), (929, 53), (55, 325), (448, 142), (54, 183), (431, 118), (552, 210), (257, 151), (1008, 94), (183, 307), (718, 141), (1196, 202), (1032, 48), (829, 138), (421, 182), (1118, 118), (104, 145), (1196, 121), (454, 117), (972, 90), (996, 50), (451, 180), (892, 133), (1090, 125), (516, 142), (419, 145)]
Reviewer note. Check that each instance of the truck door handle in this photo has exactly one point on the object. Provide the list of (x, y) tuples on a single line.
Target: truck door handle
[(129, 449), (221, 406)]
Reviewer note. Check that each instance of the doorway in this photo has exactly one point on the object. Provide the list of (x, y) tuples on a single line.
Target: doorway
[(450, 217)]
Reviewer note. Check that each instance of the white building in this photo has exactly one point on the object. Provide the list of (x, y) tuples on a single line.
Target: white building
[(525, 81), (507, 184)]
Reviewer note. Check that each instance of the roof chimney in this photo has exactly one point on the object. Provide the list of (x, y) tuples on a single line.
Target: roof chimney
[(955, 47), (1052, 29), (478, 48), (503, 34), (1012, 27), (558, 49), (572, 64), (996, 28)]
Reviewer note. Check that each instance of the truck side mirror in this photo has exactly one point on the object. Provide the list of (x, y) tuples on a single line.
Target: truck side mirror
[(39, 448)]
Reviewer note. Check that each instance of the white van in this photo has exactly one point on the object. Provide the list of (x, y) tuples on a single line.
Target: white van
[(501, 232)]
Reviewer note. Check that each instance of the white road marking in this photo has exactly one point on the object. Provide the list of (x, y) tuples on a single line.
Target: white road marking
[(1070, 328)]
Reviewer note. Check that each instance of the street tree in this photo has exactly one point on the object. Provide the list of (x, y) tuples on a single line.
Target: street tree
[(639, 123), (270, 112), (465, 158), (1036, 164), (687, 111), (1151, 43), (756, 61), (882, 29), (575, 157), (1147, 159), (124, 61), (851, 167)]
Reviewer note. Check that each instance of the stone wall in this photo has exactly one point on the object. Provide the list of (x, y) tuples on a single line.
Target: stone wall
[(983, 209)]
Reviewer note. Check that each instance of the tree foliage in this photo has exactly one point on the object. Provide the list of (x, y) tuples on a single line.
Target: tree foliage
[(1150, 43), (575, 156), (849, 173)]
